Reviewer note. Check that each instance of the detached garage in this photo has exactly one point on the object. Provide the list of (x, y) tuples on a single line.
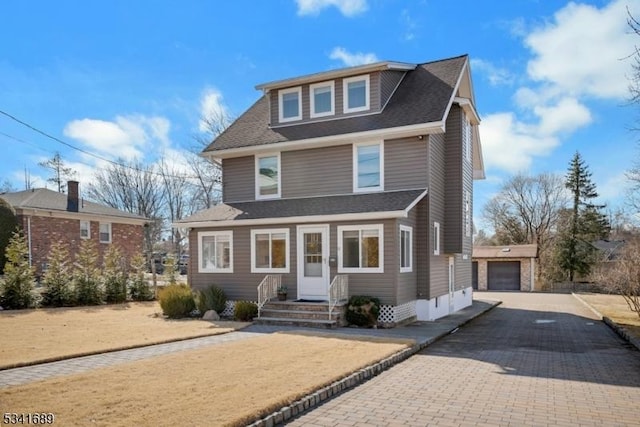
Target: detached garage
[(504, 268)]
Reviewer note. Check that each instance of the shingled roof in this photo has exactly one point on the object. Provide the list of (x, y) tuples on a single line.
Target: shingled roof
[(391, 204), (48, 200), (408, 106)]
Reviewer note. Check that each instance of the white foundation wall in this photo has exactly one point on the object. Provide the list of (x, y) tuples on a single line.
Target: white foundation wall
[(438, 307)]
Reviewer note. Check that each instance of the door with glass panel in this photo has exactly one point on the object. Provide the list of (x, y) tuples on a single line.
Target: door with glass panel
[(313, 266)]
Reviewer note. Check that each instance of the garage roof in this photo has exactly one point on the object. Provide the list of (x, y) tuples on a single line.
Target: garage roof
[(508, 251)]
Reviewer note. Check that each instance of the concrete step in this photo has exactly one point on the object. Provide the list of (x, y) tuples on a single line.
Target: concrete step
[(300, 314), (305, 323)]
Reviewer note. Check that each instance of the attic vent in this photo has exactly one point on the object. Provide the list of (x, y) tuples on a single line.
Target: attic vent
[(506, 249)]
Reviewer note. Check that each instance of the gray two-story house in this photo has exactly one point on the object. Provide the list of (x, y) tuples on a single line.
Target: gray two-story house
[(356, 181)]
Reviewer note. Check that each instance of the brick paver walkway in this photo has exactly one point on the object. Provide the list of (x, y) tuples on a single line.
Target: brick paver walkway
[(536, 360)]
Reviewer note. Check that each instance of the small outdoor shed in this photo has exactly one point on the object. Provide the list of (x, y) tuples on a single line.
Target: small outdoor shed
[(504, 268)]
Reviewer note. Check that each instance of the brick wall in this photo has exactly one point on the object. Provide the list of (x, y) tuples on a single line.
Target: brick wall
[(46, 230)]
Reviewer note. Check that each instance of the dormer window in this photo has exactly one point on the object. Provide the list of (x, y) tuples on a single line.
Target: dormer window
[(322, 99), (356, 94), (290, 105)]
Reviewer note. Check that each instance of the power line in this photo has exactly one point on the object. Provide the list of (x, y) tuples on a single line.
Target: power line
[(97, 156)]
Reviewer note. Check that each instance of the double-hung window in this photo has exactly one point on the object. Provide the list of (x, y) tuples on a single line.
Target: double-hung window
[(360, 249), (322, 99), (105, 232), (85, 229), (406, 249), (216, 252), (290, 105), (270, 251), (356, 94), (368, 167), (436, 238), (268, 176)]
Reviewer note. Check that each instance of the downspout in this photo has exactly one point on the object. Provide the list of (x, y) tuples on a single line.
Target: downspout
[(29, 238), (532, 277)]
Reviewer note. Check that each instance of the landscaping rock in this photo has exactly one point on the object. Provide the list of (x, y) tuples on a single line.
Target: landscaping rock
[(211, 315)]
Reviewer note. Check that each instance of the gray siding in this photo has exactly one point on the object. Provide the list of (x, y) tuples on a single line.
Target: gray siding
[(422, 247), (463, 272), (438, 264), (406, 164), (389, 81), (238, 179), (453, 229), (318, 171), (376, 88)]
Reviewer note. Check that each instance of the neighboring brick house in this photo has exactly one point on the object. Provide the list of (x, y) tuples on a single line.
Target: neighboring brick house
[(355, 181), (504, 268), (47, 216)]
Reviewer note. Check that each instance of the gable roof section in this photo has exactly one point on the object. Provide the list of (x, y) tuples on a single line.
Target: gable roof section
[(395, 204), (408, 106), (42, 199), (507, 251)]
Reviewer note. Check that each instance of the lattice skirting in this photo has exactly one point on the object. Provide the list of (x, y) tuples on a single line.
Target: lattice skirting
[(397, 313), (228, 310)]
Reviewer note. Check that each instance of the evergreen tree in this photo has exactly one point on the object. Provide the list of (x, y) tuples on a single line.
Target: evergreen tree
[(586, 222), (57, 279), (115, 277), (61, 173), (16, 289), (139, 289), (86, 276), (8, 224)]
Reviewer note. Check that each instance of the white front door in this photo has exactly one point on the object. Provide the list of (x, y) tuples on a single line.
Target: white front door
[(452, 282), (313, 265)]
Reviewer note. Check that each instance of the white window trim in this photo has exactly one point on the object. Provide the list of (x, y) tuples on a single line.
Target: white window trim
[(407, 229), (436, 238), (467, 213), (88, 236), (466, 137), (255, 269), (312, 99), (380, 268), (110, 232), (357, 189), (202, 234), (283, 92), (345, 94), (257, 176)]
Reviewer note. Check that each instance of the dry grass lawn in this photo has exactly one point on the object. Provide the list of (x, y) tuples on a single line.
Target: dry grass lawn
[(30, 336), (615, 308), (227, 384)]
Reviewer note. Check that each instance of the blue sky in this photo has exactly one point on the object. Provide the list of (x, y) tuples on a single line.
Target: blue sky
[(132, 78)]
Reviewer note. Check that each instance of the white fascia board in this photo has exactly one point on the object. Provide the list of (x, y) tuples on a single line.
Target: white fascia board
[(469, 109), (49, 213), (328, 141), (416, 201), (365, 216), (478, 160)]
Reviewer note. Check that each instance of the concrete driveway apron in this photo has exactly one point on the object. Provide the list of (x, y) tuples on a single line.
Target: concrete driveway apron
[(536, 360)]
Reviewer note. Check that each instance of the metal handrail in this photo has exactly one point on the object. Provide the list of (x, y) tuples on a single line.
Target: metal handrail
[(268, 289), (338, 291)]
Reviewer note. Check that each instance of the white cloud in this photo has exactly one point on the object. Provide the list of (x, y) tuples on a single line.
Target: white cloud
[(212, 108), (613, 187), (352, 59), (582, 50), (565, 116), (409, 25), (496, 76), (125, 137), (346, 7)]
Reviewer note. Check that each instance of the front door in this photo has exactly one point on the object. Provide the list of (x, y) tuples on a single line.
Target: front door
[(313, 266)]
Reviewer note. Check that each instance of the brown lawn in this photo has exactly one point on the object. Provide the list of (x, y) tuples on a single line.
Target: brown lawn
[(615, 308), (226, 384), (30, 336)]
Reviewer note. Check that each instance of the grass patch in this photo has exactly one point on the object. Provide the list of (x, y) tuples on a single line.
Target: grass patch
[(31, 336), (227, 384), (615, 308)]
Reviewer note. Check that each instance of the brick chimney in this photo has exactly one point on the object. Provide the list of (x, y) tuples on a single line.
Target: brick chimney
[(73, 198)]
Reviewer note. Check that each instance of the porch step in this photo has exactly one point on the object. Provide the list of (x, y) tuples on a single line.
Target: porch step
[(304, 314)]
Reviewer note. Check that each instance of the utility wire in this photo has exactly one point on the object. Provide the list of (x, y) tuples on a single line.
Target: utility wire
[(97, 156)]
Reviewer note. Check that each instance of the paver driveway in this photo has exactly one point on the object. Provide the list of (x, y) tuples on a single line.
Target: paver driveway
[(538, 359)]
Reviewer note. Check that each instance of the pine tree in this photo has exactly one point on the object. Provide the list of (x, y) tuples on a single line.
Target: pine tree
[(57, 279), (86, 276), (139, 289), (115, 277), (16, 289), (586, 223), (61, 173), (8, 224)]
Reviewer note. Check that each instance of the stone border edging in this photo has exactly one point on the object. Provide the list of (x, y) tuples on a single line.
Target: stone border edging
[(316, 398), (622, 332)]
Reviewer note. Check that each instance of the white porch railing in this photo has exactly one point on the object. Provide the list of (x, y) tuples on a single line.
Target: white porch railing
[(268, 289), (338, 291)]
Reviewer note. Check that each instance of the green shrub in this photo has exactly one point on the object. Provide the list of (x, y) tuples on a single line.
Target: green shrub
[(139, 289), (363, 311), (115, 276), (17, 287), (212, 298), (86, 276), (170, 270), (245, 311), (177, 301), (57, 278)]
